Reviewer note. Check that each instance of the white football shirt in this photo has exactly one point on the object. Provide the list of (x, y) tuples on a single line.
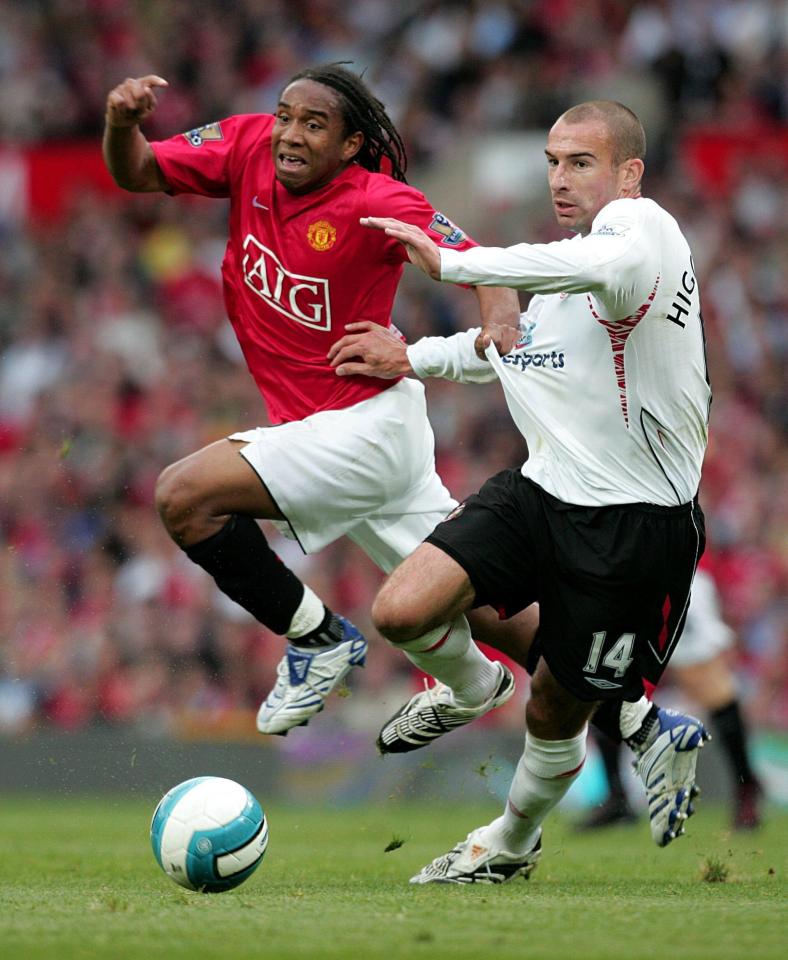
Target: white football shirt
[(608, 382)]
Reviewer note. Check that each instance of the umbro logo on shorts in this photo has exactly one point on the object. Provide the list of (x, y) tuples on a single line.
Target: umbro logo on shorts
[(603, 684)]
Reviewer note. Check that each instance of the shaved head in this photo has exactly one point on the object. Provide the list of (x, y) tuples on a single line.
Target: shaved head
[(627, 136), (594, 156)]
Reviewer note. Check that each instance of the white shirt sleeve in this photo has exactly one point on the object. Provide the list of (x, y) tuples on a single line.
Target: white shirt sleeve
[(452, 358), (610, 256)]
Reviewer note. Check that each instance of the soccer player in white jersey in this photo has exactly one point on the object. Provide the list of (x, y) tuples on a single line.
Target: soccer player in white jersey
[(601, 525)]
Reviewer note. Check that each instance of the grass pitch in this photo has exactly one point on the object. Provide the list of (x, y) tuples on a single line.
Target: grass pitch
[(79, 880)]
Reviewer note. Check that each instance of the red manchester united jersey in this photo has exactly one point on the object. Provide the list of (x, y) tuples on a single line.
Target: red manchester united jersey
[(298, 268)]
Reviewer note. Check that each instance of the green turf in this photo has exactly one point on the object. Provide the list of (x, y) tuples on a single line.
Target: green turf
[(78, 880)]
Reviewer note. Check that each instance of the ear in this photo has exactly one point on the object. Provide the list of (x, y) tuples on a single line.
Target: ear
[(352, 145), (631, 174)]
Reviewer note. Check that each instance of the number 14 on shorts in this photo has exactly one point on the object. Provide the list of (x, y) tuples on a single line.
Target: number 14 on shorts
[(618, 658)]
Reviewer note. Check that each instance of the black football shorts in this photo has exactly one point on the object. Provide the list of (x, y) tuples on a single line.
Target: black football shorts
[(613, 582)]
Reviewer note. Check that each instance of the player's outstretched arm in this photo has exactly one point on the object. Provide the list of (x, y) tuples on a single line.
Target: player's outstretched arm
[(422, 252), (127, 154), (370, 350)]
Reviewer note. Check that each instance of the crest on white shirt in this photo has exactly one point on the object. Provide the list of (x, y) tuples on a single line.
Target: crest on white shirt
[(526, 335)]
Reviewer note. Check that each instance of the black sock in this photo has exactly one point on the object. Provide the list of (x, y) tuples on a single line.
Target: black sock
[(640, 738), (328, 634), (607, 718), (729, 725), (248, 571), (610, 752)]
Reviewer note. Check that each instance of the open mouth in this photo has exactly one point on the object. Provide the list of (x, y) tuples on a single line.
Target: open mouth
[(289, 161)]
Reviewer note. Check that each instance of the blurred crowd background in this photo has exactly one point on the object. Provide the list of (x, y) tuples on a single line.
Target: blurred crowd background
[(117, 360)]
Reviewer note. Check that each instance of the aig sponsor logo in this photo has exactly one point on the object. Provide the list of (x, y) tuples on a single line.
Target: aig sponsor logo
[(303, 299)]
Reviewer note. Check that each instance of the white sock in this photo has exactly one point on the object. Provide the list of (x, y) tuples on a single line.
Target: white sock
[(547, 769), (449, 654), (308, 616), (632, 716)]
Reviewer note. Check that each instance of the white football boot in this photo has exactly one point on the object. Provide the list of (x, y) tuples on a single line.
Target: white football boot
[(667, 769), (478, 859), (304, 678), (431, 713)]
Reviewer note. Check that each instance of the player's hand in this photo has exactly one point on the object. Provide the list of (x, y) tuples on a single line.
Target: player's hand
[(371, 350), (133, 101), (504, 338), (422, 252)]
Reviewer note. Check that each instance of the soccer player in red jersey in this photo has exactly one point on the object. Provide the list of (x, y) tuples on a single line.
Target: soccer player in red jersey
[(348, 455)]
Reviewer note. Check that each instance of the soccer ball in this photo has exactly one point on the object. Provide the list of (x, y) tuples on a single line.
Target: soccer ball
[(209, 834)]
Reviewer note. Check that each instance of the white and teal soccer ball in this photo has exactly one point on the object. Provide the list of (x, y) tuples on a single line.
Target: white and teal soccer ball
[(209, 834)]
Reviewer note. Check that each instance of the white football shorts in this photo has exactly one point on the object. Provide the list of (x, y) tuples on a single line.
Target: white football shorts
[(705, 633), (366, 472)]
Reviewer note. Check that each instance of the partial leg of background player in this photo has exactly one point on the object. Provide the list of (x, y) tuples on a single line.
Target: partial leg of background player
[(712, 685), (616, 809)]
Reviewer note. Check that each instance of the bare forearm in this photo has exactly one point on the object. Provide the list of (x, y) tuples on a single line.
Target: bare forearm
[(500, 312), (498, 306), (130, 159), (127, 154)]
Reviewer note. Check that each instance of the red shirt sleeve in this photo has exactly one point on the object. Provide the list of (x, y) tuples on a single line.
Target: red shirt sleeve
[(201, 160), (390, 198)]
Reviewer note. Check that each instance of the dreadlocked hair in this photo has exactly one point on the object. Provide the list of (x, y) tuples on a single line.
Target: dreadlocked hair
[(362, 111)]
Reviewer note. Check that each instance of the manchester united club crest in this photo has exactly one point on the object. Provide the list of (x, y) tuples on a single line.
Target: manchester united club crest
[(321, 235)]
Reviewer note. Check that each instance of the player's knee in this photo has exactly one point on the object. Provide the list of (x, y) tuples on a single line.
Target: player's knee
[(177, 500), (394, 620), (544, 719), (552, 713)]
